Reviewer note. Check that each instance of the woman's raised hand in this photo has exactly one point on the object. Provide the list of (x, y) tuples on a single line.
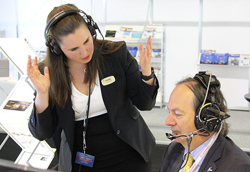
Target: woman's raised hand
[(40, 82), (145, 57)]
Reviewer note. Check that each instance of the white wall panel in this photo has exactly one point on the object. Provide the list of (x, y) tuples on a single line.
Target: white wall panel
[(226, 10), (226, 30), (84, 5), (181, 55), (8, 17), (127, 10), (99, 13), (176, 10), (32, 21), (227, 39), (181, 38)]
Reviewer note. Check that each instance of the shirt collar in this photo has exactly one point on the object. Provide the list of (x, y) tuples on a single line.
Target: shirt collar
[(196, 152)]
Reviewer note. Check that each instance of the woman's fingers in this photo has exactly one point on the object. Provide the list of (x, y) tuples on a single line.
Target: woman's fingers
[(141, 49), (46, 72)]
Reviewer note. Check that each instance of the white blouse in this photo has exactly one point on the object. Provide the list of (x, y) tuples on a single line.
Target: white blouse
[(80, 100)]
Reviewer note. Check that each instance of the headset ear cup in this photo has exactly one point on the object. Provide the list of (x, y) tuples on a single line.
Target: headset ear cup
[(198, 119), (54, 47), (207, 121)]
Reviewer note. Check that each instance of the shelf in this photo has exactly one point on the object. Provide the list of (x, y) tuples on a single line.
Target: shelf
[(135, 40), (157, 43), (153, 60), (223, 66)]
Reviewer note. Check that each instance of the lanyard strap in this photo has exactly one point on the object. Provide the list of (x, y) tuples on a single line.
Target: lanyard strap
[(85, 121), (203, 154)]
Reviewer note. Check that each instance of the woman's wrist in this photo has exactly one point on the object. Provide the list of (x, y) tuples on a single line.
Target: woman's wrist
[(149, 75)]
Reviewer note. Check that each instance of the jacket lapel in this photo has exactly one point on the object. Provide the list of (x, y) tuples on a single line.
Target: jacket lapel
[(109, 91), (176, 162), (212, 156)]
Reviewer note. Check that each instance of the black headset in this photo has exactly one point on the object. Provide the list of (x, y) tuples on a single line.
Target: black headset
[(208, 116), (54, 46)]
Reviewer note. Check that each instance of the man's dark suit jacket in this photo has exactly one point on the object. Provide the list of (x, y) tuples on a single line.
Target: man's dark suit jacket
[(223, 156), (121, 99)]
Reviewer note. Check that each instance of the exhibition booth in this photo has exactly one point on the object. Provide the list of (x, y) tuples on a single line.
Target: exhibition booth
[(187, 37)]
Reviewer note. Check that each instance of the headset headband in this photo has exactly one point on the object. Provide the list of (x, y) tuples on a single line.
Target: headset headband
[(204, 78), (92, 26), (63, 14)]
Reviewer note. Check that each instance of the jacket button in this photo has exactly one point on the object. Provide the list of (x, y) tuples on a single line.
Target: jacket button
[(118, 132)]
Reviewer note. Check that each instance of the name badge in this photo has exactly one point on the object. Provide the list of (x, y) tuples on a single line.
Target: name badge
[(108, 80), (84, 159)]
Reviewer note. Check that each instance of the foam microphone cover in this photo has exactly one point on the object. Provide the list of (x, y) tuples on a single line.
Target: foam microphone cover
[(170, 136)]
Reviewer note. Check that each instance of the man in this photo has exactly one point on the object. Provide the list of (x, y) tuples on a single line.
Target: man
[(197, 113)]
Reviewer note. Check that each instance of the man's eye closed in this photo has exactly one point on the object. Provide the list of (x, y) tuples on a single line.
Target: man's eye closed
[(178, 115)]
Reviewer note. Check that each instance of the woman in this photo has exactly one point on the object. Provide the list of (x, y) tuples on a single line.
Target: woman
[(92, 99)]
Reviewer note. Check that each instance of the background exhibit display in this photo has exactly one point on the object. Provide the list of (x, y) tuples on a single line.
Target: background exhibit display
[(16, 109)]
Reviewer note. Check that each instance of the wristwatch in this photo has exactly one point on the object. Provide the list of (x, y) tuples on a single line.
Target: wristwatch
[(146, 78)]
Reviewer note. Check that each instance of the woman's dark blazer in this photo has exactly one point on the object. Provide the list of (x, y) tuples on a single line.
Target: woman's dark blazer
[(122, 100)]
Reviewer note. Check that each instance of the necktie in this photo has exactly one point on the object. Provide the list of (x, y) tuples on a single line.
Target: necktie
[(188, 161)]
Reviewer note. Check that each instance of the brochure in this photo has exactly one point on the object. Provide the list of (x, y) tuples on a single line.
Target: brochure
[(234, 59)]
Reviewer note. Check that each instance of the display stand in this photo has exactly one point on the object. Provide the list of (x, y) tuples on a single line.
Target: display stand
[(16, 109), (16, 50), (133, 35)]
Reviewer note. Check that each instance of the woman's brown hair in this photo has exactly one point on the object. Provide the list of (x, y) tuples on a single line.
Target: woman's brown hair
[(60, 88)]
